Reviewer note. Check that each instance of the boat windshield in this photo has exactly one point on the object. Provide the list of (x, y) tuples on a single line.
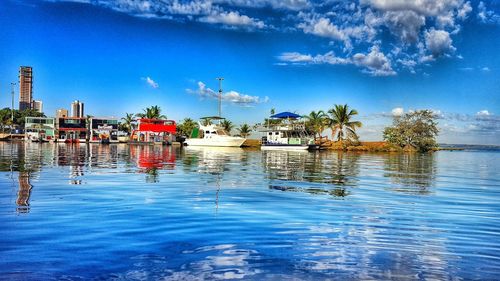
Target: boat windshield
[(222, 132)]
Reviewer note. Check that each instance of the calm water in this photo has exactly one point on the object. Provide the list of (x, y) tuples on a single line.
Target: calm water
[(78, 212)]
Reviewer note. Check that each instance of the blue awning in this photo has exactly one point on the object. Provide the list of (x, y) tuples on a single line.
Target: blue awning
[(286, 115)]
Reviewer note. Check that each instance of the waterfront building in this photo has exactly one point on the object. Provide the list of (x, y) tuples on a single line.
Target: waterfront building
[(154, 131), (37, 105), (77, 109), (103, 130), (61, 113), (25, 87), (39, 129), (72, 129)]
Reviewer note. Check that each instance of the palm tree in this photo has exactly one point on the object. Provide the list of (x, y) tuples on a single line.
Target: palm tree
[(340, 122), (127, 122), (227, 125), (316, 122), (244, 130), (186, 127), (153, 112)]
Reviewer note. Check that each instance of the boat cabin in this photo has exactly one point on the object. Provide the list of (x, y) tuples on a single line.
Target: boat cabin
[(103, 130), (154, 131), (72, 129), (39, 129), (287, 130)]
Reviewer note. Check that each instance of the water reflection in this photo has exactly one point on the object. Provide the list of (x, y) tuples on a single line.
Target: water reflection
[(151, 159), (412, 173), (330, 172), (212, 163), (24, 192)]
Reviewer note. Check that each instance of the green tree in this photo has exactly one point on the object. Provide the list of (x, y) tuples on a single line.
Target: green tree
[(5, 118), (417, 129), (127, 122), (316, 122), (20, 116), (153, 112), (227, 125), (340, 122), (186, 127), (244, 130)]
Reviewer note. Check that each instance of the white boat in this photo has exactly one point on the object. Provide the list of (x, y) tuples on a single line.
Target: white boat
[(287, 134), (213, 135)]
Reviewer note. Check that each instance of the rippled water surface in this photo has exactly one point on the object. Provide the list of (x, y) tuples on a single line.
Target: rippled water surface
[(78, 212)]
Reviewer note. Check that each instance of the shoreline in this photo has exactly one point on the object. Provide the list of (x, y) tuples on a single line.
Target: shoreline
[(364, 146)]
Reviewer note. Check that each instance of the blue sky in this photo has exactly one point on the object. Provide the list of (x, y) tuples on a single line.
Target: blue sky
[(380, 57)]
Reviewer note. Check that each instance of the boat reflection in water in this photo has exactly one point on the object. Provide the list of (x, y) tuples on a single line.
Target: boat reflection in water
[(24, 193), (324, 173), (150, 159), (211, 163)]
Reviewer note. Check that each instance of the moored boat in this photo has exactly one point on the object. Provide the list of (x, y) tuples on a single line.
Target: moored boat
[(153, 131), (287, 133), (213, 135)]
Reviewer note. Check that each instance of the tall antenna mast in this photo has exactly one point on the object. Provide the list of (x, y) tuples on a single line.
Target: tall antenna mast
[(220, 93), (12, 109)]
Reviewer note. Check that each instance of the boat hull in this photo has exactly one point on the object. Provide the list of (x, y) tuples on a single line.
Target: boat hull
[(221, 142), (285, 147)]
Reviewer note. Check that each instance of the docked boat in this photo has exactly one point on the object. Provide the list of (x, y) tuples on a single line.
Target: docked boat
[(153, 131), (286, 131), (208, 134), (39, 129), (103, 130), (213, 135), (72, 130)]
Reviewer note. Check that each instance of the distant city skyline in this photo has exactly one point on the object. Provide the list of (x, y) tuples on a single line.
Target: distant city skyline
[(382, 58)]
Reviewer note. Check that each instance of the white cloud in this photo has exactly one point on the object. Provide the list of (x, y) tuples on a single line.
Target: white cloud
[(438, 42), (485, 15), (398, 111), (421, 31), (233, 19), (189, 8), (485, 69), (483, 113), (405, 25), (151, 82), (375, 61), (424, 7), (324, 28), (232, 96), (293, 5), (295, 57), (464, 10)]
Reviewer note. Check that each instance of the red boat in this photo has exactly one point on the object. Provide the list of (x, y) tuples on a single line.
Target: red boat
[(154, 131)]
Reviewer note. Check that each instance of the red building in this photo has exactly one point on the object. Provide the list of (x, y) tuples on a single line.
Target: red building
[(154, 131)]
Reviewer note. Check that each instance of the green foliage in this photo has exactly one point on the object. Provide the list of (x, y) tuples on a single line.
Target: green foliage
[(127, 122), (5, 118), (316, 122), (19, 117), (244, 130), (153, 112), (417, 129), (227, 125), (186, 127), (340, 123)]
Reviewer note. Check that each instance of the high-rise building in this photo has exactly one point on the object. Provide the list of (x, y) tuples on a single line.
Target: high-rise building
[(37, 105), (25, 87), (61, 113), (77, 109)]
